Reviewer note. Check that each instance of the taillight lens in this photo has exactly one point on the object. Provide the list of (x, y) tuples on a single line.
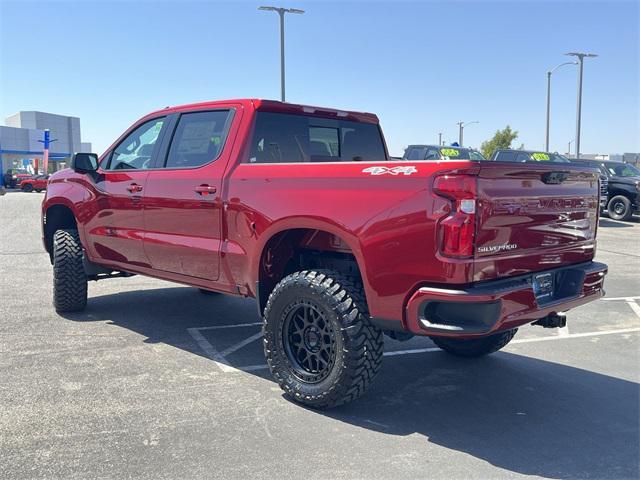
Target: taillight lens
[(457, 230)]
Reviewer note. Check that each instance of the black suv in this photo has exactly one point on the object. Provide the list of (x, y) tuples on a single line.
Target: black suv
[(623, 196)]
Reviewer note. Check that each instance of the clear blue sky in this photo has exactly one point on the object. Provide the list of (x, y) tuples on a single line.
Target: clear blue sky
[(421, 66)]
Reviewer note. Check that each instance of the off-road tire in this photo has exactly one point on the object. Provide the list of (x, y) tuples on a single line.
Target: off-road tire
[(615, 210), (27, 188), (358, 345), (475, 347), (69, 278)]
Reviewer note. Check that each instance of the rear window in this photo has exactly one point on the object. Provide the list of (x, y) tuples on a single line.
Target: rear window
[(286, 138)]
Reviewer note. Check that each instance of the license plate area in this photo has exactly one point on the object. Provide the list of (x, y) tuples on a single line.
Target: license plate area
[(543, 287)]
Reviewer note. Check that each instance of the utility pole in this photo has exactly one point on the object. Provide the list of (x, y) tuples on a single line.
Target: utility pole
[(581, 57), (461, 126), (281, 11), (549, 72)]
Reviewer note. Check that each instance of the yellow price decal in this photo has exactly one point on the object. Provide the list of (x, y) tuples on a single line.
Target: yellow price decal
[(540, 156), (449, 152)]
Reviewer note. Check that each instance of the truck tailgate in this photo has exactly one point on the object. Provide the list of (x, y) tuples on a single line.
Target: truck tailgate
[(533, 217)]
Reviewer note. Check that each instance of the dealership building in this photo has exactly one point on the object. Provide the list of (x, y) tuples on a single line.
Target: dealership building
[(22, 141)]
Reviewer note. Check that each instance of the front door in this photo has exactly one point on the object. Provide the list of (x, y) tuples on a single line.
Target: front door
[(116, 229), (182, 197)]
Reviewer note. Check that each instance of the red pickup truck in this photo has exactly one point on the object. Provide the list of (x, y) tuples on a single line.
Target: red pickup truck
[(302, 208)]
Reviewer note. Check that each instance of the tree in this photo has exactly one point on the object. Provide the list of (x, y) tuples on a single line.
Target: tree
[(502, 139)]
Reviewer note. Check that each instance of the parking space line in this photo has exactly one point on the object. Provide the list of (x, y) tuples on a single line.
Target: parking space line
[(241, 344), (233, 325), (634, 306), (223, 363), (625, 299)]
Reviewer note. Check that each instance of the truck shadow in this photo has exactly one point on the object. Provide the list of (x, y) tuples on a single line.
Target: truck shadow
[(522, 414), (607, 222)]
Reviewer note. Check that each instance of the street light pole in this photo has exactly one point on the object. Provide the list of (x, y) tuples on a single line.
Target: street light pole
[(461, 126), (579, 108), (549, 72), (281, 11), (440, 139)]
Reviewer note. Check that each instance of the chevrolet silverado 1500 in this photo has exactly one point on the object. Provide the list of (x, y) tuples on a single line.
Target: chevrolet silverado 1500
[(302, 208)]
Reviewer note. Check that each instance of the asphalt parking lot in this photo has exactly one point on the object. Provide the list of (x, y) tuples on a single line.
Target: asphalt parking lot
[(155, 380)]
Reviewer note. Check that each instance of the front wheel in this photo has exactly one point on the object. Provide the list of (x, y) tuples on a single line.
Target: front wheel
[(475, 347), (69, 278), (319, 343), (27, 188), (620, 208)]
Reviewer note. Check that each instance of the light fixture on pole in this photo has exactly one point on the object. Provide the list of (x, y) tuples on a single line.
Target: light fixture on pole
[(281, 12), (580, 57), (549, 72), (461, 126)]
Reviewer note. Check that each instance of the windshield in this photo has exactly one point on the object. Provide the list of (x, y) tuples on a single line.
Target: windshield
[(457, 153), (549, 157), (623, 170)]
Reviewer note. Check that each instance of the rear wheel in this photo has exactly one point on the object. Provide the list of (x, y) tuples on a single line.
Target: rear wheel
[(319, 344), (620, 208), (27, 188), (475, 347), (69, 278), (38, 190)]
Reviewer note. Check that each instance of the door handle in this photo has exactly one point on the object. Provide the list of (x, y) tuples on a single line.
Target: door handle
[(205, 190), (134, 187)]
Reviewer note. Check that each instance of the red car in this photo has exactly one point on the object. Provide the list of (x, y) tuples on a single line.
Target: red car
[(302, 208), (37, 183)]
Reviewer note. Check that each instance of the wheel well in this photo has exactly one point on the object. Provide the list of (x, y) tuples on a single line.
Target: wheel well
[(57, 217), (300, 249)]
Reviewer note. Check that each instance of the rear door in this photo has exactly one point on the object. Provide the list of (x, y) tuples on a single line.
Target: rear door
[(182, 199), (534, 217)]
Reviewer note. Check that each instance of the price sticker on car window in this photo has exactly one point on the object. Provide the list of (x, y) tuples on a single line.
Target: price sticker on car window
[(450, 152), (540, 156)]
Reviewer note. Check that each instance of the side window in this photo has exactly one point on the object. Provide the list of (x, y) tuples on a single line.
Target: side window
[(415, 153), (198, 139), (506, 156), (522, 157), (432, 154), (136, 150)]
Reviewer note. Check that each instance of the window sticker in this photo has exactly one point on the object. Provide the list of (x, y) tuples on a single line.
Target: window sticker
[(450, 152), (540, 156)]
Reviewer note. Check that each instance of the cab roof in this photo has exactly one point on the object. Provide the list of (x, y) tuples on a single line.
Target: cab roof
[(276, 106)]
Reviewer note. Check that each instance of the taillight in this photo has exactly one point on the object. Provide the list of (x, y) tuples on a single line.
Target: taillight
[(457, 230)]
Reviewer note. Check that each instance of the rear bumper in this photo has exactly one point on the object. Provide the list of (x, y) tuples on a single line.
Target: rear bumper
[(501, 304)]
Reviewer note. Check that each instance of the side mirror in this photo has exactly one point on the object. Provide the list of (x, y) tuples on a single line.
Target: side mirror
[(84, 162)]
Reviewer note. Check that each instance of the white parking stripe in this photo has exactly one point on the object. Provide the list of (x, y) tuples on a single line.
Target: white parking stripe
[(221, 361), (625, 299), (635, 307)]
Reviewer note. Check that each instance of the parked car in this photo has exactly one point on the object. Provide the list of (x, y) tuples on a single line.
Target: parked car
[(439, 152), (623, 190), (37, 183), (509, 155), (13, 177), (301, 208)]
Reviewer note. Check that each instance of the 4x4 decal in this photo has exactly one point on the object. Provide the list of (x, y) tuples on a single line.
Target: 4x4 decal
[(408, 170)]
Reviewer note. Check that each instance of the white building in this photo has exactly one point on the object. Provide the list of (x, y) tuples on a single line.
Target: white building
[(22, 141)]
